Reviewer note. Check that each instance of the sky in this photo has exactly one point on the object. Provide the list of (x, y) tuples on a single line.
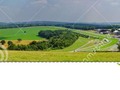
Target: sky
[(60, 10)]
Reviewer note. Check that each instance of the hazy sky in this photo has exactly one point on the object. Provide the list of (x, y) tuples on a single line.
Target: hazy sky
[(60, 10)]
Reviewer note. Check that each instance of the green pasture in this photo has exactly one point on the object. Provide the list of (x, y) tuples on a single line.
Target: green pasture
[(28, 33)]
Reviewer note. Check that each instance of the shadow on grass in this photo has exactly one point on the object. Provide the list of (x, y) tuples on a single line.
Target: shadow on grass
[(3, 38)]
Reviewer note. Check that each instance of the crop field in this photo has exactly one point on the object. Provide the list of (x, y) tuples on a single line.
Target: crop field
[(43, 56), (74, 53)]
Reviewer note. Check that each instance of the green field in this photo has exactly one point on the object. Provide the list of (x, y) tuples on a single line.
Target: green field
[(31, 33), (39, 56), (74, 53), (79, 43)]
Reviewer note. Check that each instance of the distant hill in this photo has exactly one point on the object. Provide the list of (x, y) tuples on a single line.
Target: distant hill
[(84, 26)]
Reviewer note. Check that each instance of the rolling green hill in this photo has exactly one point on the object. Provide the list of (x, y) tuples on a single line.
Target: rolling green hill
[(82, 44), (29, 33), (74, 53)]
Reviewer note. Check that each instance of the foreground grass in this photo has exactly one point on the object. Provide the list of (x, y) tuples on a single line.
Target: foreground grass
[(42, 56)]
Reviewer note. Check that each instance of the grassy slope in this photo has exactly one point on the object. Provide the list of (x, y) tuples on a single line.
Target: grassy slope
[(112, 41), (31, 33), (90, 33), (79, 43), (62, 56)]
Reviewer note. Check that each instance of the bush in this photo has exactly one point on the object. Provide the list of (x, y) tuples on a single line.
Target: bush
[(33, 43), (10, 43), (12, 47), (58, 39), (19, 40), (44, 45), (3, 42)]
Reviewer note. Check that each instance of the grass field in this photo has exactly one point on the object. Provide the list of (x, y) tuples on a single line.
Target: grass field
[(39, 56), (79, 43), (31, 33), (74, 53)]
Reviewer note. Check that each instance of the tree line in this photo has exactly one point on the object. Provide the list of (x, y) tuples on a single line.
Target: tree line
[(58, 39), (83, 26)]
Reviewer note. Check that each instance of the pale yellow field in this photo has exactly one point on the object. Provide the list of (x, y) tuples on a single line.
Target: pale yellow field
[(48, 56), (23, 42)]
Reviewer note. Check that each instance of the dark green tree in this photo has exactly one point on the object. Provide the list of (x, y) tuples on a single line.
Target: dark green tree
[(19, 39), (33, 43), (3, 42), (10, 43)]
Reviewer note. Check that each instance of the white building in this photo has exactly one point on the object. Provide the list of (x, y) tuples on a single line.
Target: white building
[(117, 32)]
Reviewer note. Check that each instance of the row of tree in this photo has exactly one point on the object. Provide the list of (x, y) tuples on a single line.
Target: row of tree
[(3, 41), (58, 39), (32, 46), (83, 26)]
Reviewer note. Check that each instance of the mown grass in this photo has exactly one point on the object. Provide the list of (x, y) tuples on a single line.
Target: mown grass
[(113, 41), (91, 33), (105, 47), (31, 32), (79, 43), (42, 56)]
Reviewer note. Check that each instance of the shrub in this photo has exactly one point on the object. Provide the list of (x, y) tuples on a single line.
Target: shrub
[(12, 47), (10, 43), (3, 42), (19, 40), (33, 43), (58, 39)]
